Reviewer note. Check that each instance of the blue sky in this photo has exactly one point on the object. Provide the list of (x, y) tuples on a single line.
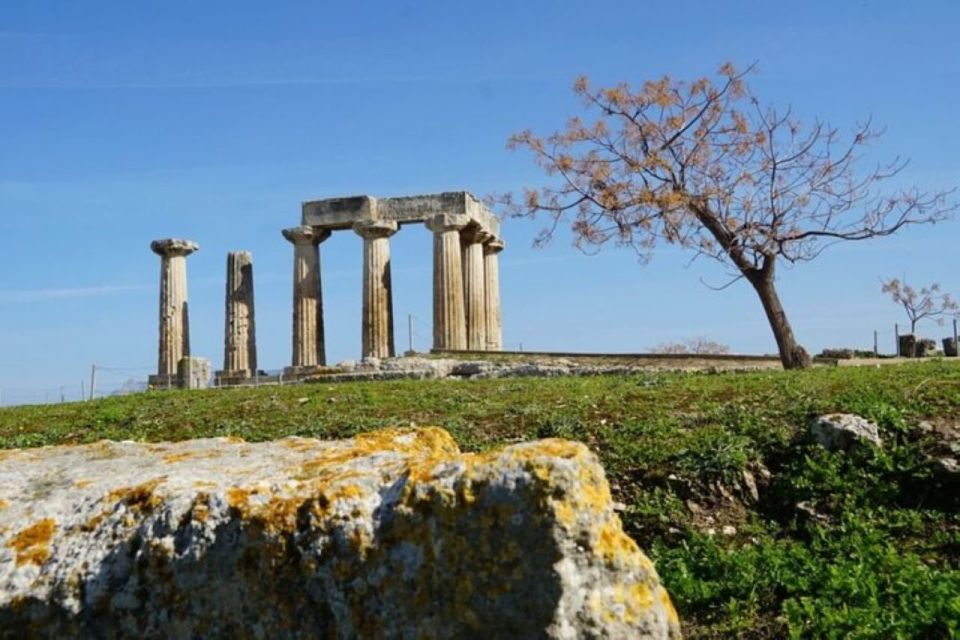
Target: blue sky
[(123, 122)]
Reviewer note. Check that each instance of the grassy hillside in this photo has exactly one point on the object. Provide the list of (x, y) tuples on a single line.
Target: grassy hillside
[(857, 544)]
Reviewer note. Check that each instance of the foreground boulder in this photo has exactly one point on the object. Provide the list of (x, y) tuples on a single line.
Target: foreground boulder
[(393, 534)]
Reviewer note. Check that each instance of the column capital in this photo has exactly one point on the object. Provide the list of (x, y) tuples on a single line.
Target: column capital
[(494, 246), (372, 229), (170, 247), (474, 235), (306, 234), (447, 222)]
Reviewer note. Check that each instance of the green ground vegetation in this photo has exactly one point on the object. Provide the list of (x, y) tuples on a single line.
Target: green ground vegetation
[(859, 544)]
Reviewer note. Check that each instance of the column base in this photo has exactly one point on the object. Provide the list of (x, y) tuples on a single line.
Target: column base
[(163, 381), (290, 373), (227, 378)]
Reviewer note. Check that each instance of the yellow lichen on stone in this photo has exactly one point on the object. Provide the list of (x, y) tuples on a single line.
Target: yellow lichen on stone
[(32, 544), (4, 504), (179, 457), (82, 483), (139, 498)]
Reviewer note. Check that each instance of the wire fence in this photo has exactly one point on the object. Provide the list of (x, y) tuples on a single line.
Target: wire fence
[(100, 382)]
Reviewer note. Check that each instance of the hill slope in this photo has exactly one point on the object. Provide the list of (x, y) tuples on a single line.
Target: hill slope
[(756, 531)]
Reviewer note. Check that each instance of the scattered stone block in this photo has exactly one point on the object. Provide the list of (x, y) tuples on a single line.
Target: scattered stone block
[(842, 431), (193, 373), (391, 534)]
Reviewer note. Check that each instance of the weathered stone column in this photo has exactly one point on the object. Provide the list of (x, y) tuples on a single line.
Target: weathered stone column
[(449, 324), (377, 288), (308, 344), (240, 335), (491, 269), (174, 341), (474, 303)]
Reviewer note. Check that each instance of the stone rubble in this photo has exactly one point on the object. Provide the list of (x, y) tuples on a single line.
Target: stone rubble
[(841, 431), (392, 534)]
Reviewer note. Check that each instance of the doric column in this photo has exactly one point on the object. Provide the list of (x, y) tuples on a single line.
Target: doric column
[(449, 325), (491, 264), (472, 239), (174, 316), (308, 345), (240, 336), (377, 288)]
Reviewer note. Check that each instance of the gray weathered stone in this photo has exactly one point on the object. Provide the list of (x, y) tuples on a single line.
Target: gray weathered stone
[(193, 373), (174, 329), (449, 323), (840, 431), (494, 322), (240, 333), (309, 349), (393, 534), (474, 284), (377, 326)]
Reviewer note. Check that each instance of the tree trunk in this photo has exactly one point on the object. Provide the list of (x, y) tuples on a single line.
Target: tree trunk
[(792, 355)]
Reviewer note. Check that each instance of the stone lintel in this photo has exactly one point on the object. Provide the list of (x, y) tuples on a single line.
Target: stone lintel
[(342, 213), (169, 247), (306, 235)]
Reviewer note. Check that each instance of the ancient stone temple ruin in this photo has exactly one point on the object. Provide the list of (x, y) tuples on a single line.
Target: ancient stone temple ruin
[(466, 287)]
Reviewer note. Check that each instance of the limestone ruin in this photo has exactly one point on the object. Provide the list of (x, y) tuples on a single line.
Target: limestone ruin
[(240, 335), (466, 287), (174, 342), (391, 534), (466, 284)]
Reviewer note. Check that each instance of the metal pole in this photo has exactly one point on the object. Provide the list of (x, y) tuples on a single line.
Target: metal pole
[(410, 332), (93, 381), (62, 398), (876, 347), (896, 338), (83, 390)]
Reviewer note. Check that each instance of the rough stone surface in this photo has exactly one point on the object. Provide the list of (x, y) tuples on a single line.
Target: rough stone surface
[(174, 339), (393, 534), (193, 373), (950, 347), (926, 348), (240, 333), (309, 349), (907, 344), (840, 431)]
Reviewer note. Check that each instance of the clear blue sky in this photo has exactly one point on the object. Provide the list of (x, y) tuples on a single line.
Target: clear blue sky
[(122, 122)]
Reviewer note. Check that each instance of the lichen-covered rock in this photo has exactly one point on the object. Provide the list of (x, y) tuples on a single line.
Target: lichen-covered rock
[(393, 534), (841, 431)]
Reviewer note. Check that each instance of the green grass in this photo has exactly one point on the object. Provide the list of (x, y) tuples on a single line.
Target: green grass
[(864, 544)]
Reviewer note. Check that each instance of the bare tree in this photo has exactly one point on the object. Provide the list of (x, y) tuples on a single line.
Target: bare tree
[(930, 303), (694, 346), (704, 166)]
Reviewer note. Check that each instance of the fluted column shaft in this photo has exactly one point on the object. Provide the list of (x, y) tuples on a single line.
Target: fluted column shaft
[(449, 325), (377, 329), (174, 339), (240, 338), (474, 294), (494, 321), (308, 341)]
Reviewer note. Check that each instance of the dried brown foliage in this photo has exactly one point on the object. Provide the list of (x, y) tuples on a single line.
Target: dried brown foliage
[(705, 166)]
